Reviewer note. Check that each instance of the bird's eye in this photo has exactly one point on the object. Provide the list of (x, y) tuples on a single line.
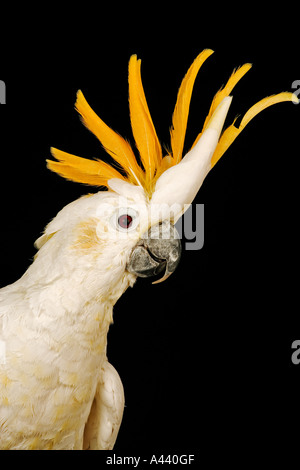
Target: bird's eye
[(125, 220)]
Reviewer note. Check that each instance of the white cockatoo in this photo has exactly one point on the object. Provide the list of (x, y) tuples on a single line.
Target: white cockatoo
[(57, 388)]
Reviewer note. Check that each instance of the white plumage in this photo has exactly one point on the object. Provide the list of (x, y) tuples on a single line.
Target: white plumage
[(54, 322)]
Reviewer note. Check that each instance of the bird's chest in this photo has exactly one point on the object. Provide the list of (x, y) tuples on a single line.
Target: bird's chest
[(50, 382)]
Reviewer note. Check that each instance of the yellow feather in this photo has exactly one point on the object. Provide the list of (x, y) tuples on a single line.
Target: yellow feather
[(141, 122), (113, 143), (230, 134), (181, 111), (72, 174), (97, 173), (265, 103), (223, 92), (82, 170)]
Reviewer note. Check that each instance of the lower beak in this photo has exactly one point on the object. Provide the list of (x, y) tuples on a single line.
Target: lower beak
[(159, 249)]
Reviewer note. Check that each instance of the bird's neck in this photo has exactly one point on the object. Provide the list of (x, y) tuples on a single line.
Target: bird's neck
[(81, 294)]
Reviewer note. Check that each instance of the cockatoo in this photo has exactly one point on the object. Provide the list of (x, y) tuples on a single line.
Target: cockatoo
[(57, 388)]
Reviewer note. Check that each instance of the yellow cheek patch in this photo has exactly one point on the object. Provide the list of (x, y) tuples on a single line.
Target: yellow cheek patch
[(86, 238)]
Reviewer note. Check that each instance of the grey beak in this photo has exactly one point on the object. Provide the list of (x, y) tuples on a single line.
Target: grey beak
[(159, 249)]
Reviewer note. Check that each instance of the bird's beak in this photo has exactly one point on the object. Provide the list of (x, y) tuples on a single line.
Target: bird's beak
[(158, 249)]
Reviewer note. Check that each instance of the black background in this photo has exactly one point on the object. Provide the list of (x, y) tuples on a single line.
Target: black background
[(205, 357)]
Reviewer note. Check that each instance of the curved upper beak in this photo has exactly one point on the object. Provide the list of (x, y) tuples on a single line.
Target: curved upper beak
[(158, 249)]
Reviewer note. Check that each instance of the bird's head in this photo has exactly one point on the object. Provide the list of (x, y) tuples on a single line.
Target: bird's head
[(130, 227)]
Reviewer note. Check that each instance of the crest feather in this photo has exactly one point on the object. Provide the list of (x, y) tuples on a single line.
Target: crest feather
[(231, 133), (181, 111), (225, 91), (82, 170), (98, 173), (235, 77), (142, 126), (117, 147)]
